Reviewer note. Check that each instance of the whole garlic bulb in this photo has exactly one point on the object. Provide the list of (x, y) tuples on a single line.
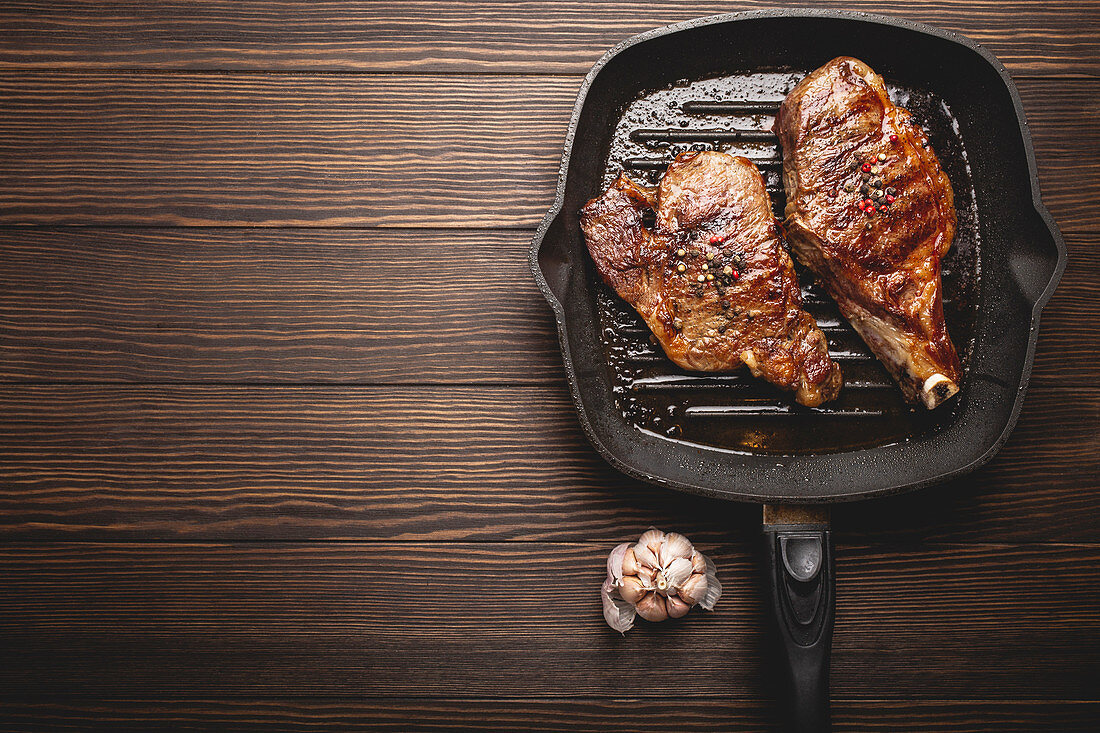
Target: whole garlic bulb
[(660, 576)]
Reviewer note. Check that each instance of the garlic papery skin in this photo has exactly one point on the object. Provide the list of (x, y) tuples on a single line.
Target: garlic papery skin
[(658, 577), (675, 546), (677, 572), (618, 613)]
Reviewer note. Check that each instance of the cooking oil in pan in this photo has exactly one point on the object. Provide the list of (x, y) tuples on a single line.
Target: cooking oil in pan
[(736, 412)]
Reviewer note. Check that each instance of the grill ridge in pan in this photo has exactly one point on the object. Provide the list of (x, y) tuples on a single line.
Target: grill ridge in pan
[(739, 438)]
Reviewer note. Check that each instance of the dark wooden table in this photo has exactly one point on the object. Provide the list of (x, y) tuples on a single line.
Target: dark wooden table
[(284, 433)]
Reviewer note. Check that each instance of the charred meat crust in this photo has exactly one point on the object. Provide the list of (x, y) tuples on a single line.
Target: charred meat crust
[(711, 278)]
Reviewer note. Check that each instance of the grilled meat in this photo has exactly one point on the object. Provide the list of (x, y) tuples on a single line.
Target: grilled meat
[(711, 278), (871, 212)]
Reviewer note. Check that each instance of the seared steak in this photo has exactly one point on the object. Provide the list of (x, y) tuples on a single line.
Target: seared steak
[(871, 212), (711, 278)]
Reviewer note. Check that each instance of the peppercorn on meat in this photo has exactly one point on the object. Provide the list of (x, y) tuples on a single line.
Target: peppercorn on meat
[(711, 277), (871, 213)]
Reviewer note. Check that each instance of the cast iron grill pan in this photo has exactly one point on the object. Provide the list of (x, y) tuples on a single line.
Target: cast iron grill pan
[(716, 82)]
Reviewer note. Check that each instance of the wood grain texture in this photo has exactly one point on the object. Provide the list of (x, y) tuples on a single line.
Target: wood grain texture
[(375, 150), (263, 305), (1036, 37), (460, 619), (579, 715), (344, 306), (450, 463)]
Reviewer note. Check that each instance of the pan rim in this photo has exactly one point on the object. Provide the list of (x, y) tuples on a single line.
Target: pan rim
[(1037, 303)]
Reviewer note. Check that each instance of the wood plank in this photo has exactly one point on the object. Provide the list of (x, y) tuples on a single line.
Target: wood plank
[(430, 715), (334, 305), (985, 622), (348, 306), (376, 150), (451, 463), (580, 715), (1036, 37), (275, 150)]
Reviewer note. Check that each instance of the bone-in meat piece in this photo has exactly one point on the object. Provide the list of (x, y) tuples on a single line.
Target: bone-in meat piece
[(871, 213), (711, 277)]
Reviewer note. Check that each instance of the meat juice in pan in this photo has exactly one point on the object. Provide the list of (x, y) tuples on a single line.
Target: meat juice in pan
[(734, 411)]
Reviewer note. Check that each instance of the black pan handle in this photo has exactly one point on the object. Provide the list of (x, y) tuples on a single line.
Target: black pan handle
[(799, 576)]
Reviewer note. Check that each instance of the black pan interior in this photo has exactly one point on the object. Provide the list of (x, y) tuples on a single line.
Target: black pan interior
[(730, 436)]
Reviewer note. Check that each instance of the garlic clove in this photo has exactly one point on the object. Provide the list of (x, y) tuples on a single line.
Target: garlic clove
[(675, 546), (694, 589), (652, 607), (714, 588), (630, 561), (618, 613), (632, 589), (645, 550), (698, 563), (644, 555), (677, 608), (615, 563)]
